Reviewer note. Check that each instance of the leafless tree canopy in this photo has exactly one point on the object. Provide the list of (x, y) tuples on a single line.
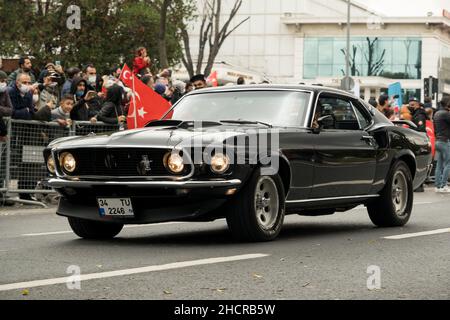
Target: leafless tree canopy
[(211, 35)]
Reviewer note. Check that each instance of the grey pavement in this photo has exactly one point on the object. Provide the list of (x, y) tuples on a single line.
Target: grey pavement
[(313, 258)]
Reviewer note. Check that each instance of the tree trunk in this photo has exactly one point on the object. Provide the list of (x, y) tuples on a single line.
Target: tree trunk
[(162, 43)]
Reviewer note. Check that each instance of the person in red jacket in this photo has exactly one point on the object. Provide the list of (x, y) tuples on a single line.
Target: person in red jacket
[(141, 62)]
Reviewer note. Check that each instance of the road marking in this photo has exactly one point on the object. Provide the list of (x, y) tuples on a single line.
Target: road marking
[(44, 233), (70, 231), (361, 207), (125, 272), (417, 234)]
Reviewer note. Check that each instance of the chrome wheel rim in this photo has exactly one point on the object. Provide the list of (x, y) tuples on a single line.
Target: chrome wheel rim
[(399, 193), (266, 203)]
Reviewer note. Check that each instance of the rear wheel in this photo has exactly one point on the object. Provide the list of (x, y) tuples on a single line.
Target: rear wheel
[(257, 212), (393, 207), (88, 229)]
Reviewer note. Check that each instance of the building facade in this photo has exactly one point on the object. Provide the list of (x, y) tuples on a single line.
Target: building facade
[(304, 41)]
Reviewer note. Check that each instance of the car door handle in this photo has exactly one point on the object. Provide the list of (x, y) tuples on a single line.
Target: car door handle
[(367, 138)]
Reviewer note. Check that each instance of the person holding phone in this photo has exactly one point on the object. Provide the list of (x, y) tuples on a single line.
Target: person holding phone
[(86, 103)]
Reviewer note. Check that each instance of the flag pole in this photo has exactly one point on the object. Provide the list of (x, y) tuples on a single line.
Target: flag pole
[(134, 102)]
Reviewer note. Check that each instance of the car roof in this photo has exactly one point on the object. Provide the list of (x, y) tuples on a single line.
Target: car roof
[(313, 88)]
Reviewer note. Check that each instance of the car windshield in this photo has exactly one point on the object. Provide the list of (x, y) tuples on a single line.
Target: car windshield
[(277, 108)]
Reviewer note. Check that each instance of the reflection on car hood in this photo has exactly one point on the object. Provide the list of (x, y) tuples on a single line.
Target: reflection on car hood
[(155, 137)]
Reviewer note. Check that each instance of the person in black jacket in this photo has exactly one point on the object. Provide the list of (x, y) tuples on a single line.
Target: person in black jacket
[(419, 115), (5, 105), (22, 98), (442, 131), (86, 107), (112, 111)]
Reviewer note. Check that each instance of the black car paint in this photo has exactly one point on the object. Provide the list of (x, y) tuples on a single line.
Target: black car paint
[(325, 169)]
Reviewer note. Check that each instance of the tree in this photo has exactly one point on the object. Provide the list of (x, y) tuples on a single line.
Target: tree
[(171, 14), (374, 64), (352, 58), (110, 31), (212, 34)]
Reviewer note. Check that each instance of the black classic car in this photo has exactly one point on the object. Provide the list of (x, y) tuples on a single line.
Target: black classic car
[(250, 154)]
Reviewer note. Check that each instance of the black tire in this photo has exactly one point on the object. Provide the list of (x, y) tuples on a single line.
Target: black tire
[(88, 229), (253, 216), (393, 207)]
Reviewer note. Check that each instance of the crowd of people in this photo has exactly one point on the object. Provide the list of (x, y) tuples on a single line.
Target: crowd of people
[(435, 122), (80, 93)]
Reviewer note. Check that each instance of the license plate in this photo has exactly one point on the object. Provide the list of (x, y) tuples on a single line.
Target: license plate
[(115, 207)]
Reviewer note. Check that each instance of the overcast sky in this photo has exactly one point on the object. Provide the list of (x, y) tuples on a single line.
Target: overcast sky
[(407, 7)]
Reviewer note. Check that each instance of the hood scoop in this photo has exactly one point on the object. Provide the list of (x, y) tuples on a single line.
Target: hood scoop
[(179, 124)]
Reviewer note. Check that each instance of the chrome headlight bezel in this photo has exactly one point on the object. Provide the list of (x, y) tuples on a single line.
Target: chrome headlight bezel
[(220, 163), (67, 162)]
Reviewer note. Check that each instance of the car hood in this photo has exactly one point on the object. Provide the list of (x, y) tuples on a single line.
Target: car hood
[(158, 137)]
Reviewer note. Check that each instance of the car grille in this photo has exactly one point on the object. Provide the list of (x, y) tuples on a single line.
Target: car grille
[(121, 162)]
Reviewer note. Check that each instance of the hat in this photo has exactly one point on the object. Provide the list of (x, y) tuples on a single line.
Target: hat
[(50, 64), (160, 88), (3, 75), (411, 99), (51, 74)]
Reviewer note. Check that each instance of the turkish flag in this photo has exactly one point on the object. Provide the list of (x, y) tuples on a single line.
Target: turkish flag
[(431, 135), (213, 79), (146, 105)]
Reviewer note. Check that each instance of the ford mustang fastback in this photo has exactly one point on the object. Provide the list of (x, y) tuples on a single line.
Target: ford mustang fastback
[(250, 154)]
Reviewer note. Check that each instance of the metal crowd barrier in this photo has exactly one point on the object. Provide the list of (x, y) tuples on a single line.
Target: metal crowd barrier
[(22, 165)]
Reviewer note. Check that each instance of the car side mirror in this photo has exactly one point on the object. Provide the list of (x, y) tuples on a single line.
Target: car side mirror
[(326, 121)]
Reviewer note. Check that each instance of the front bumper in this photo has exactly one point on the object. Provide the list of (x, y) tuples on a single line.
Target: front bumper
[(62, 183), (153, 201)]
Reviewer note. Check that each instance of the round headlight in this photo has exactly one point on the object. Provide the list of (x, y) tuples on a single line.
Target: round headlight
[(51, 165), (68, 162), (175, 162), (220, 163)]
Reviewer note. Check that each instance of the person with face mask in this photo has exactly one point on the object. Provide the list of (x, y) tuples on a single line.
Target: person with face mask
[(418, 114), (25, 67), (22, 98), (5, 105), (92, 80), (86, 105), (50, 93)]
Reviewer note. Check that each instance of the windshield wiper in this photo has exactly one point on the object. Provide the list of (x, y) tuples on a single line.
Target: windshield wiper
[(247, 122)]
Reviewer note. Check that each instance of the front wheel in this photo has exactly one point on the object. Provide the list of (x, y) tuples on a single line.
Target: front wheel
[(393, 207), (257, 212), (88, 229)]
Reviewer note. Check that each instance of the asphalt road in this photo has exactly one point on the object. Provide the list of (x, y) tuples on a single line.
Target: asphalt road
[(314, 258)]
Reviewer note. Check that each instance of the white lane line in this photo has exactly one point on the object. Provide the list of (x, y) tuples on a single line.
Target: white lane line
[(125, 272), (361, 207), (44, 233), (125, 227), (418, 234)]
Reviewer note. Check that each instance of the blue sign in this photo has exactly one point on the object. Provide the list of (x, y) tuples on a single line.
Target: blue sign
[(395, 94)]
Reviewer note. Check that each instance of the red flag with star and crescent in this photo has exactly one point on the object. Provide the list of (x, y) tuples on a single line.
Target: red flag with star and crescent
[(146, 105)]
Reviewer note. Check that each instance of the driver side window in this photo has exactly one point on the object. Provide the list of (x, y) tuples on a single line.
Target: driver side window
[(341, 111)]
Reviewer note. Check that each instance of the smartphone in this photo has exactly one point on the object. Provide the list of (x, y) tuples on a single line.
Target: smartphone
[(58, 63), (91, 94)]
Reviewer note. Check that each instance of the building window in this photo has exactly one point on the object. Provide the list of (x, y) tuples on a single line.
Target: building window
[(396, 58)]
